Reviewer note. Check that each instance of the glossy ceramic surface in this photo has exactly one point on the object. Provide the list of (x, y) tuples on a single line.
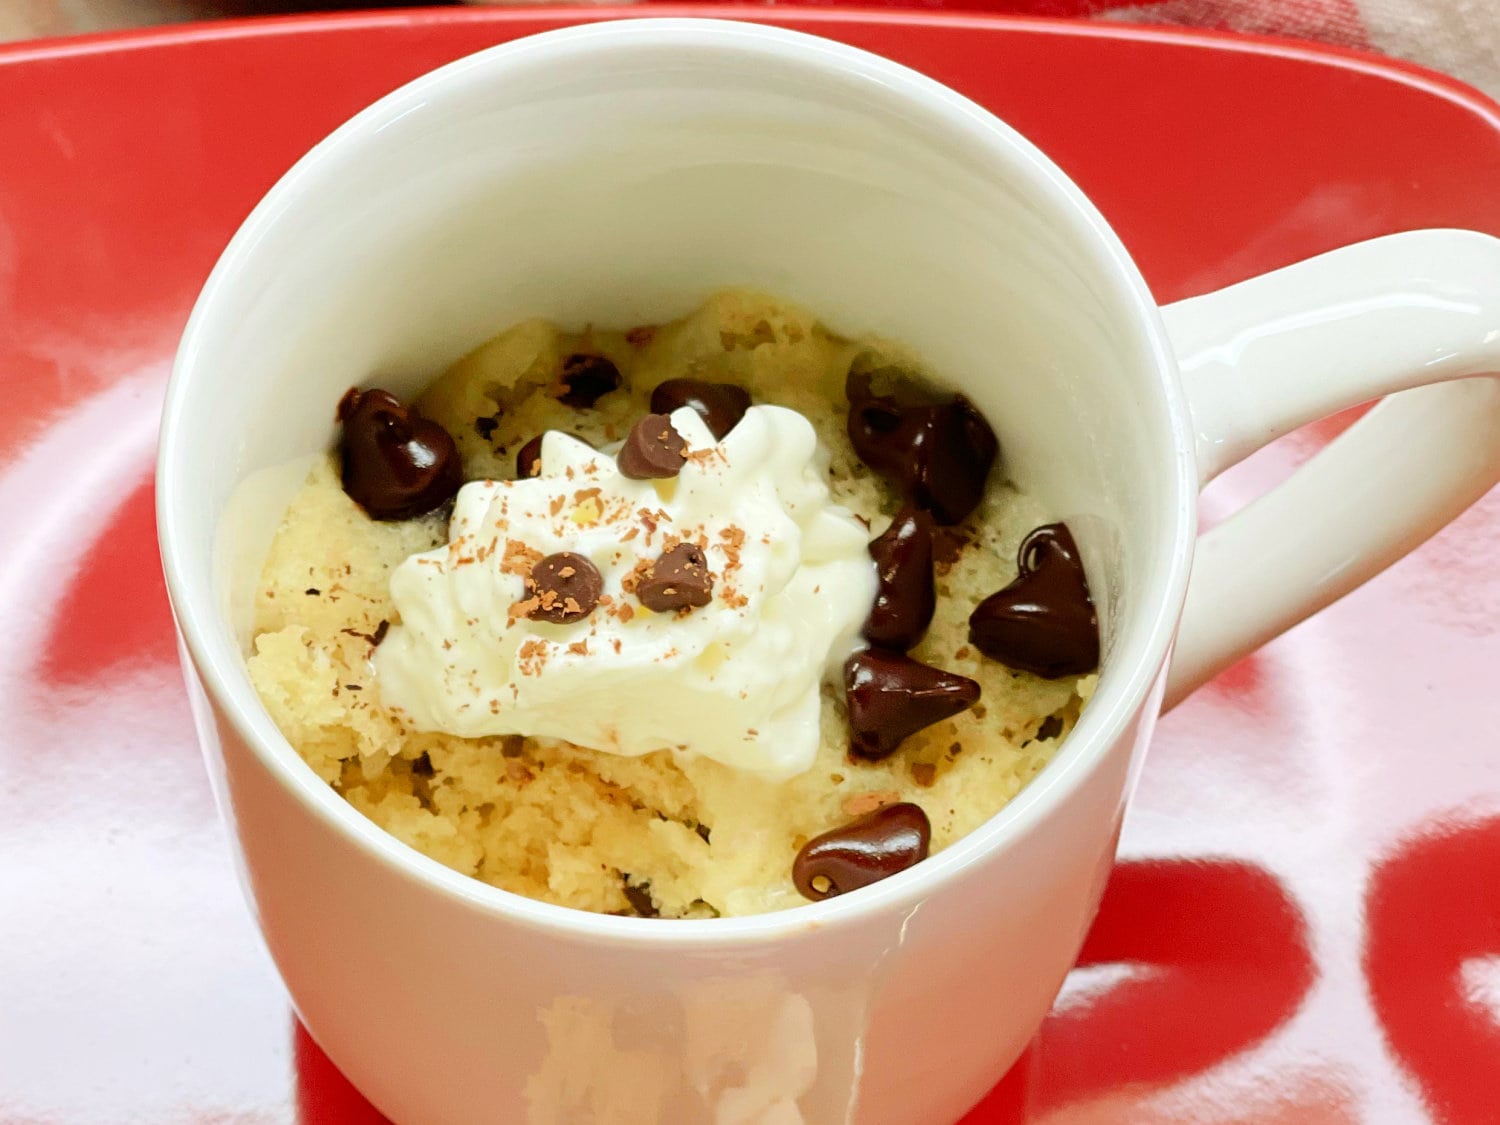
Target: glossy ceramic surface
[(1291, 781), (613, 173)]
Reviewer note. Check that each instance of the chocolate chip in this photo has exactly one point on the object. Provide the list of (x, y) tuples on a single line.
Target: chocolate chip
[(374, 638), (891, 696), (864, 851), (654, 450), (680, 579), (566, 587), (937, 450), (720, 405), (948, 545), (529, 457), (394, 463), (585, 379), (486, 427), (640, 900), (905, 597), (1043, 622)]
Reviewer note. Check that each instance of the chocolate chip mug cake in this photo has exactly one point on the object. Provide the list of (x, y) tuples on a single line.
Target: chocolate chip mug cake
[(696, 619)]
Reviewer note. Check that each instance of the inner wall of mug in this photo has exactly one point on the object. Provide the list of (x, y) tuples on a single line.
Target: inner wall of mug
[(621, 184)]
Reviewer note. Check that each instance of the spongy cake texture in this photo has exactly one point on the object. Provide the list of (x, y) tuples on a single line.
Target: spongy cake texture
[(678, 836)]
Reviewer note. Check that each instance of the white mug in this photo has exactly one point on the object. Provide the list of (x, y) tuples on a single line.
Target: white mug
[(616, 173)]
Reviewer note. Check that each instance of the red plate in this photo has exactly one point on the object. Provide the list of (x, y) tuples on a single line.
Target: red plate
[(1305, 926)]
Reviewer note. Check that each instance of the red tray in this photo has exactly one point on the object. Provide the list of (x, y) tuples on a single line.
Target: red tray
[(1305, 925)]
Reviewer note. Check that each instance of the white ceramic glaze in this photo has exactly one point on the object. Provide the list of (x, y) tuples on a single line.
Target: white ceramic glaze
[(616, 173), (1268, 355)]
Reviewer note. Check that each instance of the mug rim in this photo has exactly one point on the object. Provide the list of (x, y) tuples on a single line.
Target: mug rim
[(218, 664)]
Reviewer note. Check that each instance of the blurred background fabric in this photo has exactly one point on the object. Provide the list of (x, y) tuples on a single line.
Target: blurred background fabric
[(39, 19), (1458, 37)]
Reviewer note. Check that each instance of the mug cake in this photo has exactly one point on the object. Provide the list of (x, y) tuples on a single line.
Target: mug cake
[(698, 619)]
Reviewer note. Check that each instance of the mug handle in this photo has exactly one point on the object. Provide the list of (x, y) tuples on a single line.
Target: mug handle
[(1261, 358)]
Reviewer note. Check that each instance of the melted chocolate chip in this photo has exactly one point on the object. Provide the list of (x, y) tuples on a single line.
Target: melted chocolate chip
[(937, 451), (905, 597), (486, 427), (566, 587), (653, 450), (948, 546), (585, 379), (720, 405), (394, 463), (1044, 621), (529, 457), (374, 638), (891, 696), (680, 579), (864, 851), (640, 900)]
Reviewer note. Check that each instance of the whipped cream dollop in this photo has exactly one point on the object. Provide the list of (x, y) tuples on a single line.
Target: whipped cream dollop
[(737, 680)]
